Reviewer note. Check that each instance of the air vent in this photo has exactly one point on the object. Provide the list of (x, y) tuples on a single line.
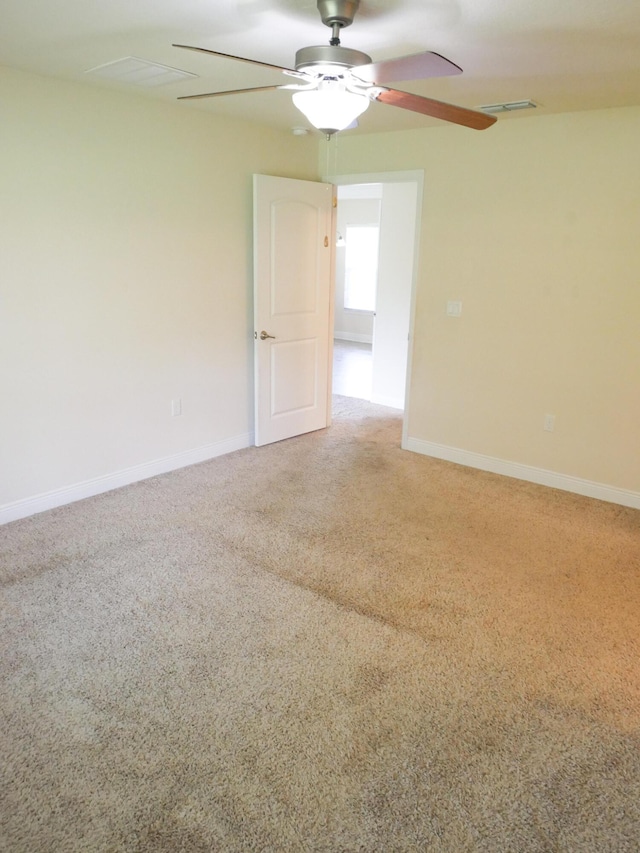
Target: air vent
[(139, 72), (508, 107)]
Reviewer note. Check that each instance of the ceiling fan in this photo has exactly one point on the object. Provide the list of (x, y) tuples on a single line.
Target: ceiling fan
[(334, 84)]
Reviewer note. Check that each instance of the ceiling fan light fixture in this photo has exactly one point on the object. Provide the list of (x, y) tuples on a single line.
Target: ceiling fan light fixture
[(335, 84), (330, 108)]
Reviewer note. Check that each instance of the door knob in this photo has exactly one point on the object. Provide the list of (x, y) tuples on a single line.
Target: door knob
[(264, 336)]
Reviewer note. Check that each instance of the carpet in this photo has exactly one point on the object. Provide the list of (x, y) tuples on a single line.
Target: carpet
[(326, 644)]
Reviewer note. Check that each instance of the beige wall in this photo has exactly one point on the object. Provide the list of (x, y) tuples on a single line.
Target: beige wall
[(125, 279), (125, 282), (534, 225)]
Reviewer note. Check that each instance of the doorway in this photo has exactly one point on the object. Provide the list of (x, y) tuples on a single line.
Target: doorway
[(371, 339), (356, 280), (352, 369)]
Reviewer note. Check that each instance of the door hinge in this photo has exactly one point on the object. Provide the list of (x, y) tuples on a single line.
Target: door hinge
[(326, 242)]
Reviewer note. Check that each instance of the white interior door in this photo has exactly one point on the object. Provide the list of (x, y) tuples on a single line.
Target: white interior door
[(293, 252)]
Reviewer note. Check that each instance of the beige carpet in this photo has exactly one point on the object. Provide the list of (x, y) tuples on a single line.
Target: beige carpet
[(328, 644)]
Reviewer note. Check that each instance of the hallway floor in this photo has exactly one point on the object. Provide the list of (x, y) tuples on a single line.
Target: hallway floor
[(352, 369)]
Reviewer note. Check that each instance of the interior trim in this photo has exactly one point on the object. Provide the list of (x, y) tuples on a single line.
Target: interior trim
[(78, 491), (354, 337), (554, 480)]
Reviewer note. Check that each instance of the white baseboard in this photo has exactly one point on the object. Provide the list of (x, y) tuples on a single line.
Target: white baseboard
[(552, 479), (391, 402), (89, 488), (354, 337)]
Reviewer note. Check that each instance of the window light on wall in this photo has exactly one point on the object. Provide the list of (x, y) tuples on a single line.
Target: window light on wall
[(361, 267)]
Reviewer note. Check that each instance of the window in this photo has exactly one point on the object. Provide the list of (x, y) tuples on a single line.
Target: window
[(361, 267)]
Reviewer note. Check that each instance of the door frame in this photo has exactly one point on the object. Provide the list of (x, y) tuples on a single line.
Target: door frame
[(417, 177)]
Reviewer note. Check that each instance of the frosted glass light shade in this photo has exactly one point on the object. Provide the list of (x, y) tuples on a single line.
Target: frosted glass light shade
[(330, 109)]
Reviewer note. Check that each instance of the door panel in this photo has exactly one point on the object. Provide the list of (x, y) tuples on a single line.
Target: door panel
[(294, 230), (293, 245), (293, 377)]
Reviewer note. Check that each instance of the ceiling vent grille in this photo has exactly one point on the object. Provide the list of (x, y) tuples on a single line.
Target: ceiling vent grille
[(139, 72), (508, 107)]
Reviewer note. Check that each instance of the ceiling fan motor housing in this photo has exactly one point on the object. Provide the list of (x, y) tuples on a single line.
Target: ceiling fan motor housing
[(329, 55), (340, 12)]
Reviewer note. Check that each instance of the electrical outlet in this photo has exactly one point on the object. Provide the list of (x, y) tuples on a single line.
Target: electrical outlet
[(176, 407), (549, 422)]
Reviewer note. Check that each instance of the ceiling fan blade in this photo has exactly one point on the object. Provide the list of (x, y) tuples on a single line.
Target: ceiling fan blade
[(231, 56), (417, 66), (436, 109), (228, 92)]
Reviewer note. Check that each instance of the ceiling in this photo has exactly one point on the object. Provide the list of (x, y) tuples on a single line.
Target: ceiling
[(564, 55)]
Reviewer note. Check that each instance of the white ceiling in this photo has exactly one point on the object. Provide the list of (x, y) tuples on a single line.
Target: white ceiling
[(563, 54)]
